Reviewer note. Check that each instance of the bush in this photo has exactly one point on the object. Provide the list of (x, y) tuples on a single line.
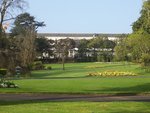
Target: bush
[(38, 65), (48, 67), (8, 84), (3, 72), (145, 60), (112, 73)]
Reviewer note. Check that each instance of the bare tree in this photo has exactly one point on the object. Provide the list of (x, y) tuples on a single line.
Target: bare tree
[(7, 10), (62, 47)]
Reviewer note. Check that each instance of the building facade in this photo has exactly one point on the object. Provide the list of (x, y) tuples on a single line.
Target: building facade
[(77, 37)]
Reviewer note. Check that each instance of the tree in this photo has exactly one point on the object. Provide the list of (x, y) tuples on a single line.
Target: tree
[(44, 46), (62, 48), (7, 9), (121, 51), (107, 49), (82, 50), (95, 44), (24, 34), (143, 22), (102, 48), (137, 45), (139, 40)]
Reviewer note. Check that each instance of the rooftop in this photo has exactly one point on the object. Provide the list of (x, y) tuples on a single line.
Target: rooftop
[(79, 35)]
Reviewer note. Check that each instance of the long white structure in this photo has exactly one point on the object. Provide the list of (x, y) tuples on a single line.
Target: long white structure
[(78, 36)]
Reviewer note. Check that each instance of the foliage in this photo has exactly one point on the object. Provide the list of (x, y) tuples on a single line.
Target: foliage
[(3, 72), (24, 22), (62, 47), (44, 47), (82, 51), (143, 22), (5, 83), (121, 51), (7, 9), (37, 65), (145, 59), (102, 49), (136, 47), (112, 73), (8, 84), (23, 36), (48, 67)]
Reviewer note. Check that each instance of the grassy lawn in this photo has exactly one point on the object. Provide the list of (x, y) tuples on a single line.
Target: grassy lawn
[(75, 80), (74, 107), (82, 69), (83, 85)]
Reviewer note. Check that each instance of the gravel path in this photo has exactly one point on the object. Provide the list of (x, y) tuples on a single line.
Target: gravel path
[(72, 97)]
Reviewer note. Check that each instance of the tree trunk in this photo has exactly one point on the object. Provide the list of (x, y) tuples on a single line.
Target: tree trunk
[(63, 62)]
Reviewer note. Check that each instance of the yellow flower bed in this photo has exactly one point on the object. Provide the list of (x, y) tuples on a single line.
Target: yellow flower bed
[(112, 73)]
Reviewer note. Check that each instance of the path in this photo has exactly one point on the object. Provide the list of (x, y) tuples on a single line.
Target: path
[(72, 97)]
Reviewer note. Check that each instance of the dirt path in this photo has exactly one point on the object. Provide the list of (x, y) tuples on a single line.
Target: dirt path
[(72, 97)]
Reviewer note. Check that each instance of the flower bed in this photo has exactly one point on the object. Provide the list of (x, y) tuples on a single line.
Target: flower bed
[(112, 73)]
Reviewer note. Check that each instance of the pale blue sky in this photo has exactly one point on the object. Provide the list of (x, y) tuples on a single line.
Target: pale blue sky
[(86, 16)]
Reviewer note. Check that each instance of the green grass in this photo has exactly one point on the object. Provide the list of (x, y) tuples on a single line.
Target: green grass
[(83, 85), (74, 107), (74, 80), (82, 69)]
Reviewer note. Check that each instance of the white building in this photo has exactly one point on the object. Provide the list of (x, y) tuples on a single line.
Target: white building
[(78, 36)]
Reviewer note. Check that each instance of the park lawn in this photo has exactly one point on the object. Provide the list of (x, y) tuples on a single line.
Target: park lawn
[(87, 85), (82, 69), (74, 107), (75, 80)]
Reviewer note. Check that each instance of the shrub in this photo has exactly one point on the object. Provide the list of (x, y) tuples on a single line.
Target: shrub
[(48, 67), (112, 73), (8, 84), (145, 60), (3, 72), (38, 65)]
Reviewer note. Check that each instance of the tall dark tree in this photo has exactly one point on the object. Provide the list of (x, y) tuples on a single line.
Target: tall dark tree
[(82, 50), (44, 46), (24, 34), (95, 44), (8, 10)]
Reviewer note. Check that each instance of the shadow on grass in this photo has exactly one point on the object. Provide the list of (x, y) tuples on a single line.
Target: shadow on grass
[(4, 103), (134, 90), (136, 108), (49, 73)]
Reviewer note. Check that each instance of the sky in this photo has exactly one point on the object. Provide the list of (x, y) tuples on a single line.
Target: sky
[(85, 16)]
